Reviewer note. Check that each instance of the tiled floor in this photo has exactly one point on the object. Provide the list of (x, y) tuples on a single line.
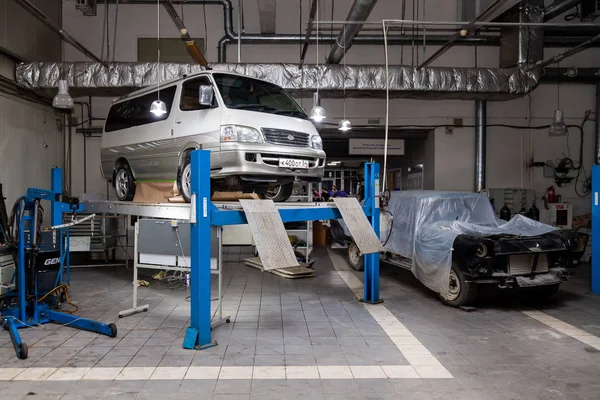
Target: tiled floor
[(312, 339)]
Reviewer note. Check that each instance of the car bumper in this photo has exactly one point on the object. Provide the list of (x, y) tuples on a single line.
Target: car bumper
[(263, 160)]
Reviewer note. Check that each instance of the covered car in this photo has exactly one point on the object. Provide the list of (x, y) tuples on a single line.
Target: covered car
[(452, 242)]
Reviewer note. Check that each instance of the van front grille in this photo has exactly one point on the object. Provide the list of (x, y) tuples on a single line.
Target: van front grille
[(286, 138)]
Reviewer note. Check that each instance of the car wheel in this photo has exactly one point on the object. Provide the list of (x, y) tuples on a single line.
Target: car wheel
[(460, 292), (355, 260), (184, 182), (124, 183), (279, 193)]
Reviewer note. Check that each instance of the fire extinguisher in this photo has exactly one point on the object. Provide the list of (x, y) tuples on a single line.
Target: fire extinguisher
[(551, 195)]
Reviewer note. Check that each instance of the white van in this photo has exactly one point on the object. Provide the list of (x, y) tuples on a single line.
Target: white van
[(259, 137)]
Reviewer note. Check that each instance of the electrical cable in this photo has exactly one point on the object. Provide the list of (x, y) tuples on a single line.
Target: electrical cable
[(205, 26), (115, 28)]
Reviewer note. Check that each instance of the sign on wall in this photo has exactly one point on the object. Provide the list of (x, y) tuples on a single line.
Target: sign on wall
[(374, 147)]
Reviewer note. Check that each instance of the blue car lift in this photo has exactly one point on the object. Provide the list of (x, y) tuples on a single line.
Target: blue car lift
[(28, 310), (204, 214), (595, 229)]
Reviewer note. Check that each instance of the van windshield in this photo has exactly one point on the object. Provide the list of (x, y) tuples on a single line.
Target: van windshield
[(251, 94)]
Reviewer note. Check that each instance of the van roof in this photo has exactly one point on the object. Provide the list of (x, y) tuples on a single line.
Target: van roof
[(175, 80)]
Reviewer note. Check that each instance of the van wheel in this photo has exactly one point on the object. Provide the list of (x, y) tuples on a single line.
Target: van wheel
[(184, 183), (279, 193), (355, 260), (460, 292), (124, 183)]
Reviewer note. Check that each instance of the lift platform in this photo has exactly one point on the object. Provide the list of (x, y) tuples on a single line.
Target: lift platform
[(263, 216)]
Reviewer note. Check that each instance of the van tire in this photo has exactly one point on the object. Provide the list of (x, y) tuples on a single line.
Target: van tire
[(185, 174), (355, 260), (279, 193), (124, 183)]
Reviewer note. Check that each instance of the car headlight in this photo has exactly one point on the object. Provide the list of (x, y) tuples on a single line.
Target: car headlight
[(316, 142), (237, 133)]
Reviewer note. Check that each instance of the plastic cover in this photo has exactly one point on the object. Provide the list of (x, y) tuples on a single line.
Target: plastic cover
[(427, 222)]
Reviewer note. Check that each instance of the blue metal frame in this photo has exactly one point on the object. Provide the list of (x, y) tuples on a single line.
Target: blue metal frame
[(28, 311), (205, 215), (595, 229)]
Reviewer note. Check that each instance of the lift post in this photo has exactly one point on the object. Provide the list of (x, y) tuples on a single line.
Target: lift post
[(595, 229), (204, 214)]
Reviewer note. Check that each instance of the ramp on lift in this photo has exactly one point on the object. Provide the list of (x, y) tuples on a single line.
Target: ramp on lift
[(270, 236), (363, 234)]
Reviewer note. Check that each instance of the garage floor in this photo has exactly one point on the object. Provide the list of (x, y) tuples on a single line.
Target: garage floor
[(311, 339)]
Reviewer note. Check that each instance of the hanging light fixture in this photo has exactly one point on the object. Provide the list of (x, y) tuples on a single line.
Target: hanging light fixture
[(317, 113), (558, 126), (158, 106), (344, 125), (63, 99)]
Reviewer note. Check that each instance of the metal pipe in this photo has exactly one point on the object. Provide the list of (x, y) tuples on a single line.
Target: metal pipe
[(311, 18), (190, 43), (559, 7), (565, 54), (480, 139), (458, 24), (359, 11), (597, 132), (36, 12), (13, 56), (571, 75)]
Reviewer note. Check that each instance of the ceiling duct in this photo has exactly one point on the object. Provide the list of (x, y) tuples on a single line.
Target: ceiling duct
[(359, 11), (521, 46), (358, 80), (267, 10)]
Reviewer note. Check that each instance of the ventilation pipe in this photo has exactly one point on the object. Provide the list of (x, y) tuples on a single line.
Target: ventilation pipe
[(359, 11), (480, 139), (559, 7)]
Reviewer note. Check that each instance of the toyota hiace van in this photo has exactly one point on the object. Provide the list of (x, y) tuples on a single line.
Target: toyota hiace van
[(260, 139)]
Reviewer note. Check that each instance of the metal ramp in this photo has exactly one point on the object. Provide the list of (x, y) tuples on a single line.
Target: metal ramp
[(270, 236), (363, 234)]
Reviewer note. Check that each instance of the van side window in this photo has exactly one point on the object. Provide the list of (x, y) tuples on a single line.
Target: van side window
[(189, 94), (136, 111)]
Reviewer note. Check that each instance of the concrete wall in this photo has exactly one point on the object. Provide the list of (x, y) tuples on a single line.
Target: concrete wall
[(30, 134), (509, 150)]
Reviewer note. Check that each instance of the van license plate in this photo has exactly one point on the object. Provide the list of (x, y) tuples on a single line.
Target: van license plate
[(289, 163)]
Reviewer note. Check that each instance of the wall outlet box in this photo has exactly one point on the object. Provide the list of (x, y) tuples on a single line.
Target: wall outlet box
[(373, 121), (74, 121), (449, 130), (457, 122)]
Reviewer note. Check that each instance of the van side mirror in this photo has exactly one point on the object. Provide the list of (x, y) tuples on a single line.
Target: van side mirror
[(205, 95)]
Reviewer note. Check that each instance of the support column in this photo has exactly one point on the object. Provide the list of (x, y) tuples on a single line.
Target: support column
[(56, 186), (198, 334), (480, 139), (371, 277)]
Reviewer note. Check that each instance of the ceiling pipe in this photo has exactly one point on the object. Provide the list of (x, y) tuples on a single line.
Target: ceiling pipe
[(359, 11), (571, 75), (311, 18), (190, 43), (558, 7), (566, 54), (36, 12), (463, 32), (13, 56)]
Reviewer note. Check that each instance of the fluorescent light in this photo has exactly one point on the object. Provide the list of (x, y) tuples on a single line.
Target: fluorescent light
[(344, 125), (158, 108), (63, 99)]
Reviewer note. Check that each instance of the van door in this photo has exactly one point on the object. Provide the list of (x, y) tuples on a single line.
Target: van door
[(197, 125)]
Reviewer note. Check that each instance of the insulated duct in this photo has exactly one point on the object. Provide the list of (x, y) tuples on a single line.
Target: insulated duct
[(357, 80), (522, 46), (359, 11)]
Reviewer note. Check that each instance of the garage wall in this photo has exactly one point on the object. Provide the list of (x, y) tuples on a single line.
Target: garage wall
[(509, 150), (30, 136)]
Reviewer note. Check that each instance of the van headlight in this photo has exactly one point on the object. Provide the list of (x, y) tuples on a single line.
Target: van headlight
[(316, 142), (237, 133)]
